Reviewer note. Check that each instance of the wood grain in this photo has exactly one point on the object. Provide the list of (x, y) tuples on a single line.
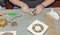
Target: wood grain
[(50, 23)]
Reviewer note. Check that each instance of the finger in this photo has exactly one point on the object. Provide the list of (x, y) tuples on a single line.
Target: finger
[(27, 10), (37, 11), (24, 9), (34, 12)]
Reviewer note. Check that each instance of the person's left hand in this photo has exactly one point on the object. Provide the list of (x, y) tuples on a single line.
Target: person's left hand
[(38, 9)]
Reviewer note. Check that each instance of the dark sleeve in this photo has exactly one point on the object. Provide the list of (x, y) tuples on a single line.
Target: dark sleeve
[(33, 3), (3, 2)]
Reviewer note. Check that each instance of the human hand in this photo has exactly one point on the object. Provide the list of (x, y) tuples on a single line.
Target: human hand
[(38, 9), (25, 8)]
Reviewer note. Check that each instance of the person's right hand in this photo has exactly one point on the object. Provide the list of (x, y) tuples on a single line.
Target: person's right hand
[(25, 8)]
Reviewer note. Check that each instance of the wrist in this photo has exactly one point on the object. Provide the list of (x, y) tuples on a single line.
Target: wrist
[(22, 4), (41, 5)]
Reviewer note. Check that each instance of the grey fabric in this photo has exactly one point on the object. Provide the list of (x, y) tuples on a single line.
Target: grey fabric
[(32, 3)]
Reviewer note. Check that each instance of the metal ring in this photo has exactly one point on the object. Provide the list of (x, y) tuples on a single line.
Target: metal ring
[(39, 26)]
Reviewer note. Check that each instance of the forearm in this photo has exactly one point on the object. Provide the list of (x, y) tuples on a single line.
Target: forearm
[(47, 2), (17, 2)]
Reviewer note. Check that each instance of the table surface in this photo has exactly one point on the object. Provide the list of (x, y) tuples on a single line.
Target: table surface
[(24, 21)]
